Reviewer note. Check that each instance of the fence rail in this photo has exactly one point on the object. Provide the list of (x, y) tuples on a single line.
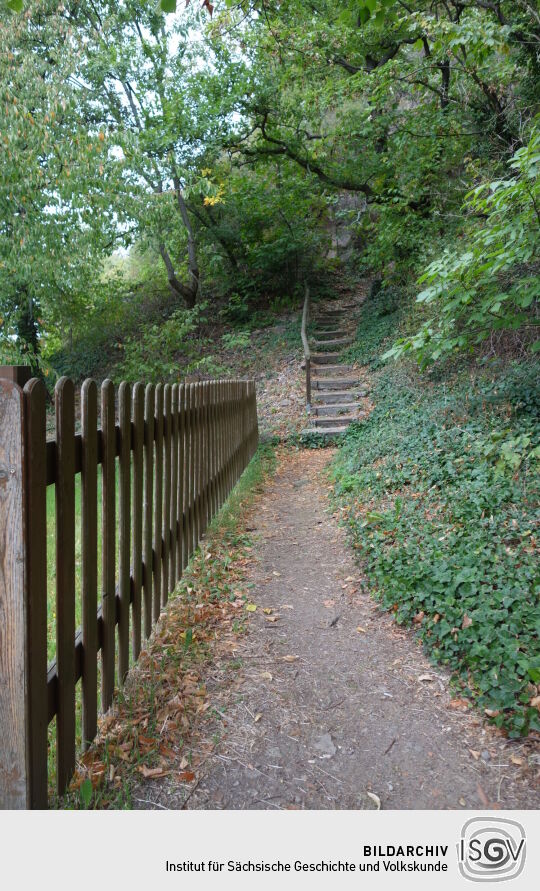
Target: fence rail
[(169, 456)]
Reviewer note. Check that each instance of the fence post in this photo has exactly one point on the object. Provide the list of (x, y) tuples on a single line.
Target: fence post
[(14, 742)]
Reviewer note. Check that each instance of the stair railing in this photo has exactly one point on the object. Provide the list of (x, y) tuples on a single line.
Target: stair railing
[(307, 353)]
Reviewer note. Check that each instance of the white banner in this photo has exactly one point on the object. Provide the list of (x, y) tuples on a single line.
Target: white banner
[(270, 850)]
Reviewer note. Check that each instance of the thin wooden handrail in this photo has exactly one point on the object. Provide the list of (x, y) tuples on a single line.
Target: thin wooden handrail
[(307, 353)]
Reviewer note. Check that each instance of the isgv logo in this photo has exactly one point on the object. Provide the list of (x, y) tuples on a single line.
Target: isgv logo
[(491, 849)]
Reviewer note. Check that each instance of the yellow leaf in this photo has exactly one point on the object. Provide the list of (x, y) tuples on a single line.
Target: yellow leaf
[(251, 607)]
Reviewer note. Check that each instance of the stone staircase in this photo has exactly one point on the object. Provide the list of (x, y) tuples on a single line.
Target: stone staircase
[(335, 388)]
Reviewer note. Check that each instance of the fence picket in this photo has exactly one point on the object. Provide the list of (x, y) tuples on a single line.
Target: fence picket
[(167, 421), (65, 581), (192, 461), (186, 474), (149, 410), (89, 559), (204, 456), (196, 464), (124, 531), (158, 502), (173, 519), (108, 539), (137, 517), (36, 561), (180, 564)]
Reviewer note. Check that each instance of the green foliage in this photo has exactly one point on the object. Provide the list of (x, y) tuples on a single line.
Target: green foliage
[(379, 317), (129, 296), (494, 283), (236, 340), (440, 489), (154, 354), (226, 143)]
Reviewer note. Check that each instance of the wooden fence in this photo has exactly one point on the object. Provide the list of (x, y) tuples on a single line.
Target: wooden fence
[(167, 465)]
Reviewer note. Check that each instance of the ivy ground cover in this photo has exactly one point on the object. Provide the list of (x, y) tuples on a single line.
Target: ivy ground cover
[(439, 488)]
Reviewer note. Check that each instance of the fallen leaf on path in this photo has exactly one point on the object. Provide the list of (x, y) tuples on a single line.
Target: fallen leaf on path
[(266, 675), (329, 603), (462, 802), (276, 573), (425, 677), (251, 607), (287, 606), (150, 773), (458, 703), (376, 799), (491, 712), (467, 621), (184, 763), (361, 630), (475, 754), (419, 616), (257, 718), (267, 610), (290, 658), (515, 759), (187, 776), (272, 618), (166, 751)]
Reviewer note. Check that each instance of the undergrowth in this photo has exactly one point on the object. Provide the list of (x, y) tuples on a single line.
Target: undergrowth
[(439, 488), (380, 315)]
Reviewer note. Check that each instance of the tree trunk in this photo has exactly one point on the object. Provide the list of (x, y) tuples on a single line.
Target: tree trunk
[(191, 245)]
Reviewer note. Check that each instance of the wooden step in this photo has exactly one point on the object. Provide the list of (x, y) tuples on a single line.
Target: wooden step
[(323, 358), (331, 396), (324, 432), (336, 332), (339, 341), (330, 369), (335, 383), (332, 421), (337, 408)]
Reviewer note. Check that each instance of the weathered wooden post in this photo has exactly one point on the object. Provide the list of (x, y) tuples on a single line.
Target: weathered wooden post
[(23, 727), (14, 781)]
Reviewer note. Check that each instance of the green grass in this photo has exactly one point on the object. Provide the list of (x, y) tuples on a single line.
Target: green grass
[(51, 556), (439, 488)]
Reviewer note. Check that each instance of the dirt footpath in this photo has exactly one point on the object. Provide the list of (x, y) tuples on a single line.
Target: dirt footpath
[(334, 705)]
